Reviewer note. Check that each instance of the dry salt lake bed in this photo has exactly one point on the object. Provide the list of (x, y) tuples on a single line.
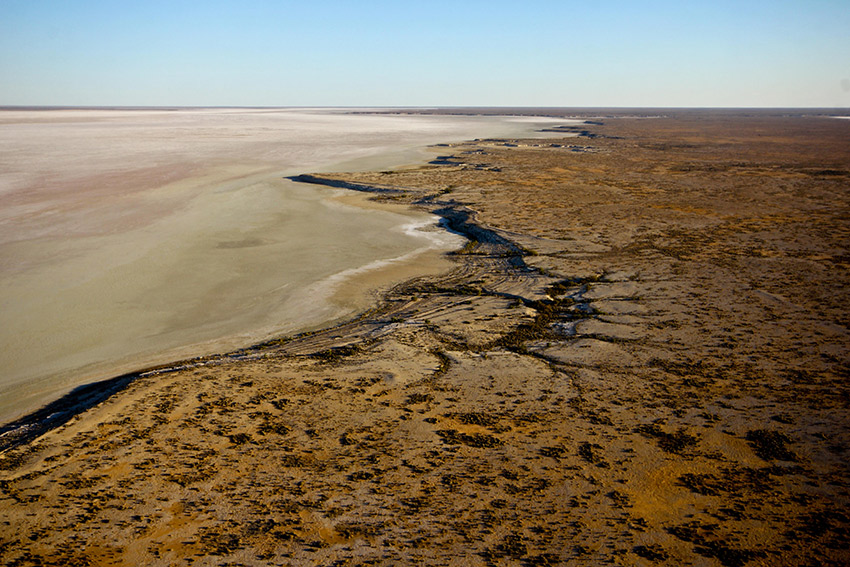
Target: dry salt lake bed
[(639, 357), (136, 237)]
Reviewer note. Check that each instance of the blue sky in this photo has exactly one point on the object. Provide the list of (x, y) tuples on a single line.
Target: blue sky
[(425, 53)]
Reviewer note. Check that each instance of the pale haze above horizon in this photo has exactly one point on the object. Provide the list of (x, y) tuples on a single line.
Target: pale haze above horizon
[(464, 53)]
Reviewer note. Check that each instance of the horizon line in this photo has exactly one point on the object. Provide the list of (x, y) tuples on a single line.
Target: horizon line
[(403, 107)]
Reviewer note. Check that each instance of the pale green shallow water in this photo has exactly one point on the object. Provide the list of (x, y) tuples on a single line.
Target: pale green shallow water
[(132, 238)]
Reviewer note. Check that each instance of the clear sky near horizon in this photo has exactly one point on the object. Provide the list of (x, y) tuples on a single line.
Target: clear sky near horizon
[(436, 53)]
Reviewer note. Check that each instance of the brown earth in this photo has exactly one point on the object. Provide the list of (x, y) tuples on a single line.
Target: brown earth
[(641, 359)]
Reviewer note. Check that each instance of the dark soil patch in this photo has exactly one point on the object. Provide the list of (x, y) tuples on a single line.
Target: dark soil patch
[(770, 445)]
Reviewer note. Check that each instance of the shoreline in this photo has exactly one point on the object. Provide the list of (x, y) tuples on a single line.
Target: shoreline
[(52, 415), (338, 304)]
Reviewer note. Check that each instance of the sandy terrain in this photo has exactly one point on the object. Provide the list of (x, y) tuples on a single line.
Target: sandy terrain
[(640, 359)]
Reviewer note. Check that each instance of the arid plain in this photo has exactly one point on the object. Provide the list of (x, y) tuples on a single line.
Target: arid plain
[(639, 358)]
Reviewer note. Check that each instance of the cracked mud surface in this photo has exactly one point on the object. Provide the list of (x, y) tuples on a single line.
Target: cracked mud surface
[(641, 359)]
